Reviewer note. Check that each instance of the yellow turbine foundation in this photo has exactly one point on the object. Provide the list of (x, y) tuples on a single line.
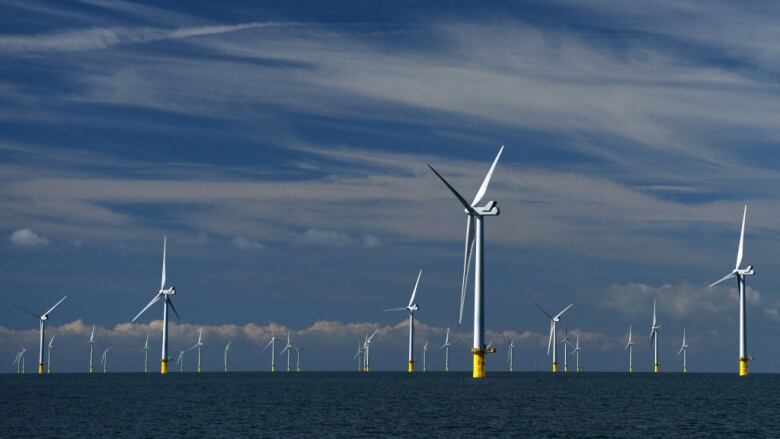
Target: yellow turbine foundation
[(40, 367), (273, 368), (410, 367), (656, 367), (685, 370), (199, 370), (555, 367), (163, 367), (743, 366), (630, 369), (479, 363), (565, 368)]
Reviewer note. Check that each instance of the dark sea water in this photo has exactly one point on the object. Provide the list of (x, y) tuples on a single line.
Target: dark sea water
[(376, 404)]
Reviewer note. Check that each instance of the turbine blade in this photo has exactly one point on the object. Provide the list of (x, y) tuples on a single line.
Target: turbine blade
[(26, 310), (542, 309), (741, 239), (395, 309), (170, 302), (468, 251), (414, 292), (151, 302), (549, 341), (283, 350), (726, 277), (372, 335), (486, 182), (165, 245), (462, 200), (55, 305), (564, 310)]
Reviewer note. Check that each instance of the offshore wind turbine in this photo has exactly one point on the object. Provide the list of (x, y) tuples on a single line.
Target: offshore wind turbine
[(475, 229), (91, 348), (551, 342), (510, 355), (740, 274), (654, 340), (425, 355), (19, 361), (410, 308), (146, 355), (199, 345), (367, 352), (684, 351), (48, 358), (576, 351), (42, 329), (272, 345), (630, 349), (297, 359), (446, 347), (566, 343), (359, 356), (227, 349), (165, 294), (180, 361), (104, 360), (287, 348)]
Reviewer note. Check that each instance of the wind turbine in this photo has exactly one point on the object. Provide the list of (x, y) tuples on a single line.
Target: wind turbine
[(740, 274), (165, 294), (425, 355), (199, 345), (48, 359), (446, 347), (630, 349), (42, 329), (475, 238), (565, 342), (19, 361), (146, 355), (411, 308), (367, 350), (510, 355), (104, 359), (227, 349), (684, 351), (287, 348), (180, 361), (576, 351), (91, 348), (551, 341), (272, 345), (654, 340), (359, 356), (297, 359)]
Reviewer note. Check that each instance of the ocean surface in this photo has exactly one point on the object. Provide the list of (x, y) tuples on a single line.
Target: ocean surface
[(378, 404)]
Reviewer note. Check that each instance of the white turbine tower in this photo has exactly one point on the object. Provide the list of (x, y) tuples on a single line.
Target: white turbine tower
[(287, 348), (630, 349), (654, 340), (425, 356), (511, 355), (684, 351), (227, 349), (104, 360), (576, 351), (297, 359), (91, 349), (410, 308), (475, 238), (740, 274), (446, 347), (146, 355), (272, 345), (566, 343), (19, 361), (367, 352), (165, 294), (48, 359), (199, 345), (551, 343), (359, 356), (42, 329)]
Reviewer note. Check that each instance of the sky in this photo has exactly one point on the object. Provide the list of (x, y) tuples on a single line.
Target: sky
[(282, 147)]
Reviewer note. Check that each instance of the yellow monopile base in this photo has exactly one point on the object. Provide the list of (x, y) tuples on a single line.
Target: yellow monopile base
[(656, 367), (297, 369), (579, 369), (91, 370), (410, 367), (365, 369), (565, 368), (199, 369), (273, 368), (40, 367), (555, 367), (743, 367), (630, 369), (479, 363), (164, 367), (288, 369)]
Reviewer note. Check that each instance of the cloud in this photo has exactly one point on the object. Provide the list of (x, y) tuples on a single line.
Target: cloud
[(27, 238), (247, 244), (332, 238)]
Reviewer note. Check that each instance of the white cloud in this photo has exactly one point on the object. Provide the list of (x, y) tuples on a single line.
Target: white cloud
[(333, 238), (247, 244), (27, 238)]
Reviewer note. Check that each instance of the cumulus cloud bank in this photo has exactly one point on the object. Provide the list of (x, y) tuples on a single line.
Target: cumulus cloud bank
[(27, 238)]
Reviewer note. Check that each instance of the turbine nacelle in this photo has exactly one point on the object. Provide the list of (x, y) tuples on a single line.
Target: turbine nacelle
[(412, 308), (745, 271), (168, 291), (489, 209)]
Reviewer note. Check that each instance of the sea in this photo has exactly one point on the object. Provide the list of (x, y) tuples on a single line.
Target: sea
[(389, 405)]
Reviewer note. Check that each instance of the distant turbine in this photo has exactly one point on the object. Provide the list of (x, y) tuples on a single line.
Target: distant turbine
[(654, 340), (510, 357), (565, 342), (48, 360), (104, 360), (199, 345), (475, 238), (146, 355), (297, 359), (684, 350), (551, 341), (630, 349), (180, 361), (287, 348), (91, 348), (227, 349), (446, 347), (165, 294), (410, 308), (425, 355), (740, 274), (367, 352), (42, 328), (576, 351), (272, 345), (19, 360), (359, 356)]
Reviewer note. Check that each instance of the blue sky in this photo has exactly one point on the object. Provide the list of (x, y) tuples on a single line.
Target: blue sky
[(282, 150)]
